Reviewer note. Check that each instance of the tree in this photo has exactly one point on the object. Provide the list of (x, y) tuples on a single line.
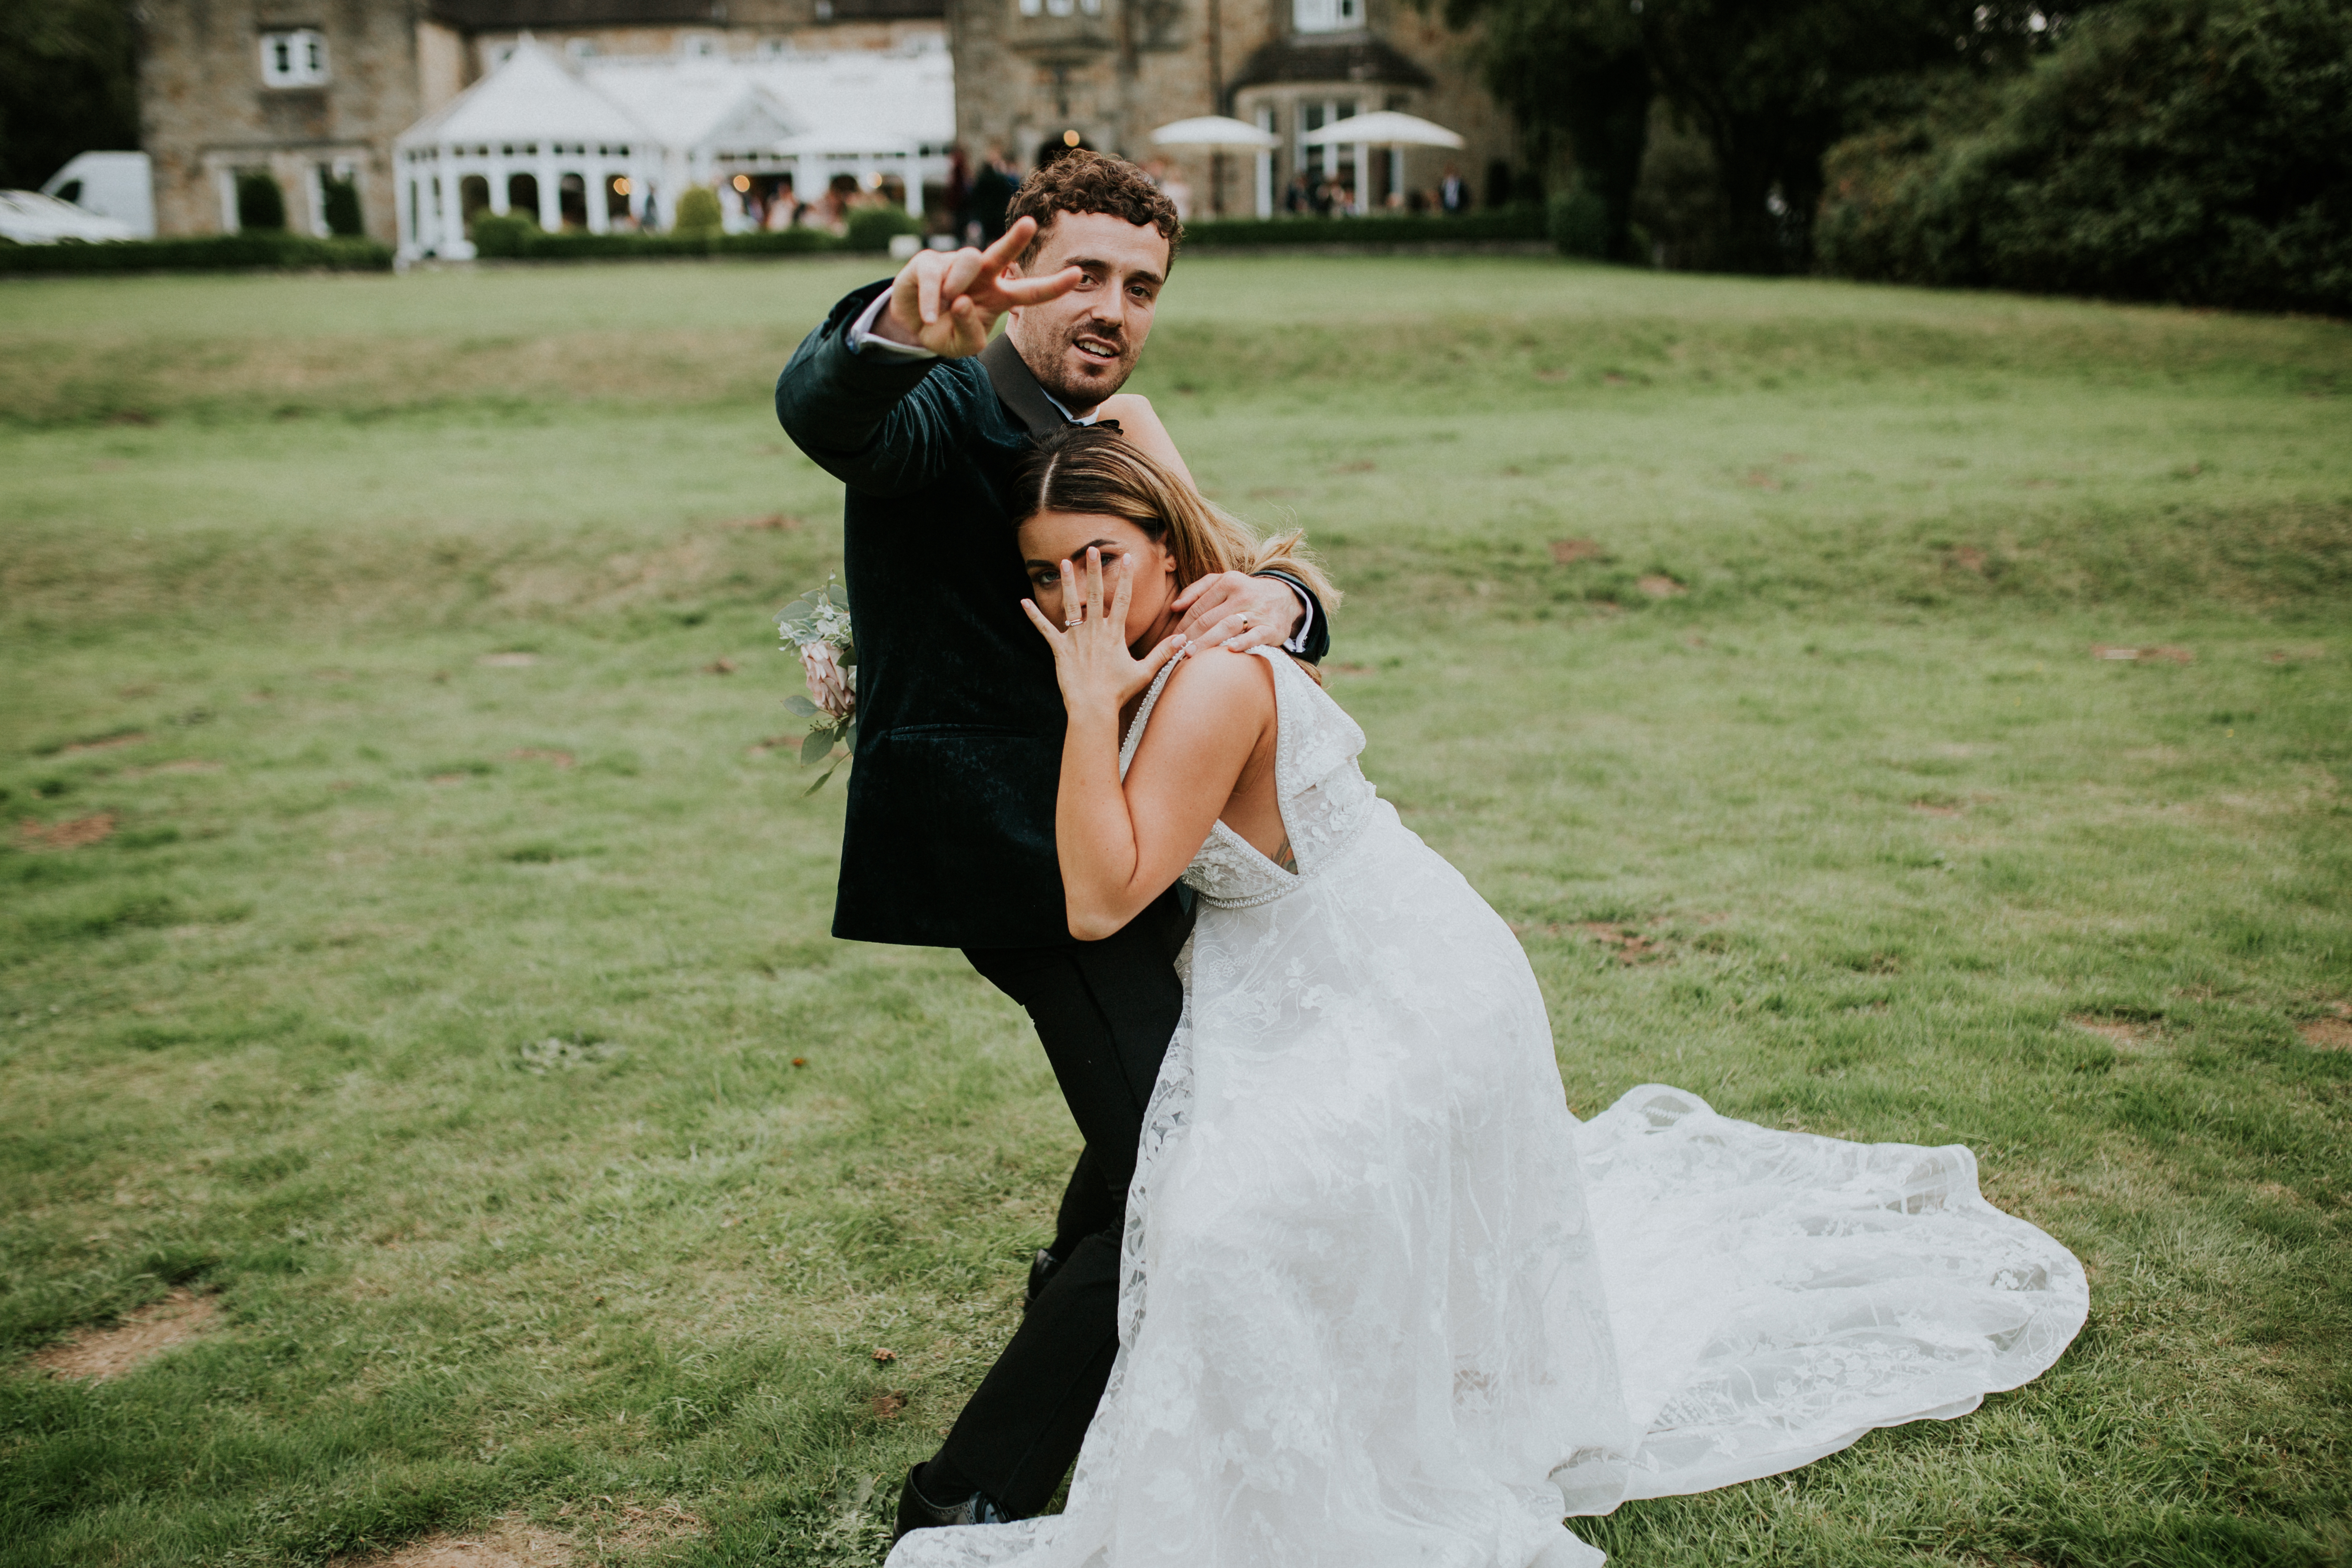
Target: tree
[(2197, 151), (68, 84), (1771, 85), (1575, 71)]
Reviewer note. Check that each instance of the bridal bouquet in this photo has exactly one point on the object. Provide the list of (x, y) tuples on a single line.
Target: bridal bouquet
[(817, 626)]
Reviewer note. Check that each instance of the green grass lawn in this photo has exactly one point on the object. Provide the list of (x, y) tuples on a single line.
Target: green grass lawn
[(367, 726)]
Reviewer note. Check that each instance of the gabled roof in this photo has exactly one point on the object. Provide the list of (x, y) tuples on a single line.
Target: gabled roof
[(1361, 58), (879, 101), (532, 97), (688, 104)]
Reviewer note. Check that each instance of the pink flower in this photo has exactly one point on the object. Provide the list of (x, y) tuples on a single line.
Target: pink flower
[(828, 686)]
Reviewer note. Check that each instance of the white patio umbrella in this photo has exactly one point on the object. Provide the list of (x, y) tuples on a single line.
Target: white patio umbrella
[(1382, 127), (1216, 133)]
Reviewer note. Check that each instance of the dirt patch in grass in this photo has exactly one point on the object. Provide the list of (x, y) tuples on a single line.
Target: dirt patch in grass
[(98, 1354), (1659, 586), (2327, 1034), (2124, 1034), (773, 523), (73, 835), (1628, 944), (508, 660), (104, 743), (1935, 808), (509, 1541), (503, 1543), (542, 754), (1568, 551)]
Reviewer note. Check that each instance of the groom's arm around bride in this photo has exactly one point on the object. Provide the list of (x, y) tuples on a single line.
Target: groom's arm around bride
[(949, 837)]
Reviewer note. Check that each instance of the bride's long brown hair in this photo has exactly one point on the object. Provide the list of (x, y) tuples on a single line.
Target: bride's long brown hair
[(1085, 469)]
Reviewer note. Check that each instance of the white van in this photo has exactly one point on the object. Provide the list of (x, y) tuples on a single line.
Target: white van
[(119, 185)]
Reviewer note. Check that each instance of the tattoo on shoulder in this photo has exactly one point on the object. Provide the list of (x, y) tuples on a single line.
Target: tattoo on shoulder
[(1285, 859)]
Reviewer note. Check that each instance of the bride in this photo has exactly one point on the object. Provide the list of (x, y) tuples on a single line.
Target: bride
[(1385, 1301)]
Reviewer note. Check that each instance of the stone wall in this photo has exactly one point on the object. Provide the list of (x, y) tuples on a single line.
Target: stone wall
[(1116, 73), (205, 112)]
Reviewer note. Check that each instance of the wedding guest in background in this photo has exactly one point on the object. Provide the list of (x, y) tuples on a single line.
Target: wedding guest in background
[(992, 191), (1454, 192), (959, 191), (1177, 190)]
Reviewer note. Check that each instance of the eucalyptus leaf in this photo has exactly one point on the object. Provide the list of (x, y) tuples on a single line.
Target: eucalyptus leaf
[(800, 707), (814, 749), (820, 781), (849, 735)]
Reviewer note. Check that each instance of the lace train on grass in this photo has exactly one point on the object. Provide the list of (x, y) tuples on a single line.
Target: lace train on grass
[(1387, 1303)]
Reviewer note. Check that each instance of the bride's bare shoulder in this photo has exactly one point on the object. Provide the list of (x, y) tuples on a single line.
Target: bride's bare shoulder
[(1217, 682)]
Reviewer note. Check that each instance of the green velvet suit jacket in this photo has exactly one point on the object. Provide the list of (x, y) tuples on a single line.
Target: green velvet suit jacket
[(948, 840)]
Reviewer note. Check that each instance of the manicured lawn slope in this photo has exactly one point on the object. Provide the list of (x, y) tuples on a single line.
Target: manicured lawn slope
[(364, 728)]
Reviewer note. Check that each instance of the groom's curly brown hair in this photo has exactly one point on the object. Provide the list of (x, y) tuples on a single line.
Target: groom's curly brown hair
[(1086, 182)]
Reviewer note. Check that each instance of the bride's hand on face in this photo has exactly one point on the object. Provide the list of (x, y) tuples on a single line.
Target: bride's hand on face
[(1091, 660)]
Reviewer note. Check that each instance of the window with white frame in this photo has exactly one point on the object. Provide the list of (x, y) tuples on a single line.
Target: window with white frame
[(1061, 8), (295, 57), (1326, 16)]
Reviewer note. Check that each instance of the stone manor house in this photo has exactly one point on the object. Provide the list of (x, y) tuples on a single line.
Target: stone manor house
[(308, 90)]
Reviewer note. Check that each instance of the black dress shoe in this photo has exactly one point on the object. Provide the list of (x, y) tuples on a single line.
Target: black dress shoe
[(1041, 1268), (917, 1511)]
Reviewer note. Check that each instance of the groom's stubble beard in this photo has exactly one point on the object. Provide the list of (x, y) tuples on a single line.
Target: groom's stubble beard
[(1049, 360)]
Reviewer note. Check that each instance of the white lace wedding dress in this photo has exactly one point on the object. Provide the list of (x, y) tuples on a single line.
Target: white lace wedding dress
[(1386, 1302)]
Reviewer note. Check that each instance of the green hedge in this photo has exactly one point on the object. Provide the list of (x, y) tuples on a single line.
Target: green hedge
[(872, 228), (217, 253), (519, 239), (1525, 221)]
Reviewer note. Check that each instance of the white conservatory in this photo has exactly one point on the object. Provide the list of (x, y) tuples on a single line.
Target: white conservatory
[(608, 142)]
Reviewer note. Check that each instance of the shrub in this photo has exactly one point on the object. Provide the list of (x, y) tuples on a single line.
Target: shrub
[(504, 235), (697, 211), (1580, 223), (260, 204), (871, 228), (2195, 150), (343, 207), (214, 253)]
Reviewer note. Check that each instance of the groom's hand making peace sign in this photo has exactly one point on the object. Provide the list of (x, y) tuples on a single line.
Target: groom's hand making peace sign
[(946, 301)]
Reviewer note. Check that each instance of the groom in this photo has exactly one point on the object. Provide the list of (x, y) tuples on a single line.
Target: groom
[(948, 840)]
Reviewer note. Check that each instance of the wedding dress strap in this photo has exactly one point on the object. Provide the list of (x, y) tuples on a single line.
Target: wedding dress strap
[(1142, 714)]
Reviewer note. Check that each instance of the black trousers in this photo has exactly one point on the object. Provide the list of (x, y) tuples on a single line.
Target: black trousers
[(1104, 1012)]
